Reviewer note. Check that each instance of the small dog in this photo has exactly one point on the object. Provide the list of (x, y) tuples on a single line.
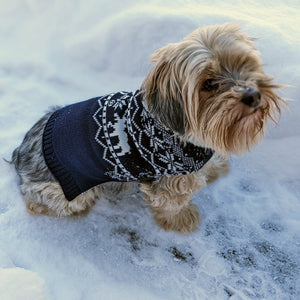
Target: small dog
[(204, 98)]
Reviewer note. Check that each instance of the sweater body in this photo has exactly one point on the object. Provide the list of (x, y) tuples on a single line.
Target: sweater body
[(113, 138)]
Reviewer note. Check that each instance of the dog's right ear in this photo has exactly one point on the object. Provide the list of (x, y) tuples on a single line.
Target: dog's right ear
[(162, 90)]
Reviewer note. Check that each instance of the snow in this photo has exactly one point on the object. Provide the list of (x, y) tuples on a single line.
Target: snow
[(248, 246), (17, 283)]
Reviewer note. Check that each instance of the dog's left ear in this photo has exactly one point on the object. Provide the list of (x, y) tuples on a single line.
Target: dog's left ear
[(162, 90)]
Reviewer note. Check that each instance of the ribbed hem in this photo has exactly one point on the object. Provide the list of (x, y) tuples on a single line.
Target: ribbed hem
[(67, 182)]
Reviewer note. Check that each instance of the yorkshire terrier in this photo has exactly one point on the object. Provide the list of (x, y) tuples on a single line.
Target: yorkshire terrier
[(205, 97)]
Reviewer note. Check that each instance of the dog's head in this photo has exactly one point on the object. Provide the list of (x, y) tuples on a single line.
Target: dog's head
[(211, 89)]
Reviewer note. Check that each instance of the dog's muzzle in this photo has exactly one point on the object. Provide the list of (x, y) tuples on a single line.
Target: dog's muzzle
[(251, 97)]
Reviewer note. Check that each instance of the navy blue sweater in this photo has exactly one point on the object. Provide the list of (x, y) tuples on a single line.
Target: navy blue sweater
[(113, 138)]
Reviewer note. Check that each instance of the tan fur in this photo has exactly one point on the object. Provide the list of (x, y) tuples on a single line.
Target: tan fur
[(170, 197), (50, 200), (176, 93), (230, 58), (47, 198)]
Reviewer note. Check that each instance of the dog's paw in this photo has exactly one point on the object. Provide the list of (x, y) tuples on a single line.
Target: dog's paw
[(39, 209), (185, 221)]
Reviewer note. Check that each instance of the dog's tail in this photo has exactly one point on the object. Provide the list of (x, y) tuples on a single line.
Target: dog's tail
[(15, 160)]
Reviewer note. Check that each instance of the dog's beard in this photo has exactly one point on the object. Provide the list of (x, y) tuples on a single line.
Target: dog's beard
[(227, 125)]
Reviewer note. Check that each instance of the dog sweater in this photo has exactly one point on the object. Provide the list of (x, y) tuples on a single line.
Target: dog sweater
[(113, 138)]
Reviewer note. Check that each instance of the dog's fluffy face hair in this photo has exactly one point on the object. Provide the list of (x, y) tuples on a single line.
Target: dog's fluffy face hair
[(211, 89)]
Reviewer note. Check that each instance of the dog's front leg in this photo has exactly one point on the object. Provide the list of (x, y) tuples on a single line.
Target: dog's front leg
[(170, 202)]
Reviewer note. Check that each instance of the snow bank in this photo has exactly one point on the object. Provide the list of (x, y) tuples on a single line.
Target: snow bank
[(17, 284)]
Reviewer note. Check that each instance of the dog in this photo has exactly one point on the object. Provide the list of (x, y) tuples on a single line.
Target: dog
[(204, 98)]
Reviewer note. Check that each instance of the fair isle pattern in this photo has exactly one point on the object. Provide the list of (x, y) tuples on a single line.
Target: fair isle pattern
[(126, 127), (119, 172), (160, 146)]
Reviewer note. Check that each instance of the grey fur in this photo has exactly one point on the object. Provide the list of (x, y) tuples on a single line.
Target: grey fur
[(28, 157), (169, 112)]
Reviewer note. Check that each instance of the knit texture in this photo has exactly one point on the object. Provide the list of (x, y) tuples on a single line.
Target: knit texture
[(113, 138)]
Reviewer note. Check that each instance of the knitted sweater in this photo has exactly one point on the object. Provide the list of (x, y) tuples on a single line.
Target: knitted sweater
[(113, 138)]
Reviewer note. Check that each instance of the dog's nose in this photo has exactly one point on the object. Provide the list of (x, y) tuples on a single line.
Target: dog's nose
[(251, 97)]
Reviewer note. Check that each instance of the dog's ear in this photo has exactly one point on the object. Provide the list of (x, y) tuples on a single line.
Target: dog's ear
[(162, 90)]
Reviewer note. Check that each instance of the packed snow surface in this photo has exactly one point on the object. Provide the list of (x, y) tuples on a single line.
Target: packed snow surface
[(248, 245)]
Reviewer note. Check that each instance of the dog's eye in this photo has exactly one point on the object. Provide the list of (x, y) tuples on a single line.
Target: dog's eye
[(208, 85)]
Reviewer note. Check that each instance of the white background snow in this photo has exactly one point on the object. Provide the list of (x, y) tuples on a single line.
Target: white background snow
[(248, 246)]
